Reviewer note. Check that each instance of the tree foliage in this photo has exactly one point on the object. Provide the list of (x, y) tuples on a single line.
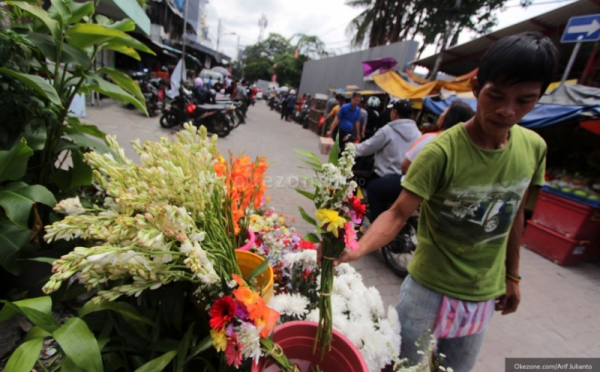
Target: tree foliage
[(276, 55), (384, 22)]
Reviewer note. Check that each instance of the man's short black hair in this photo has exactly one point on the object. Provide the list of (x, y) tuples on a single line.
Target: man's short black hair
[(526, 57), (339, 96), (458, 112), (356, 94)]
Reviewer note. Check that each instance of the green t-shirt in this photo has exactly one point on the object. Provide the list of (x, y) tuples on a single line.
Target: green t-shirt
[(471, 198)]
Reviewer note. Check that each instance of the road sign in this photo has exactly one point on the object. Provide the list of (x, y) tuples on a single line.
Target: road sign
[(582, 28)]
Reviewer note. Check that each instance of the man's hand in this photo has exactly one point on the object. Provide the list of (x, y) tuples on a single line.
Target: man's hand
[(347, 256), (508, 302), (329, 133)]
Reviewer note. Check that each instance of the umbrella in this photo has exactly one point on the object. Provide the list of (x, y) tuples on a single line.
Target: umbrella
[(221, 70)]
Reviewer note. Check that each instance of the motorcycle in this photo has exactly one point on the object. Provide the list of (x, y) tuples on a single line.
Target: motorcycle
[(215, 117), (398, 253), (150, 88)]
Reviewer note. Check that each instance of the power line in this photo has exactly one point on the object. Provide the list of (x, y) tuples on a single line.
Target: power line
[(333, 29)]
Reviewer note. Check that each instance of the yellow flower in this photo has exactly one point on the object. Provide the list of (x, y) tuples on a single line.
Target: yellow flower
[(331, 218), (219, 339)]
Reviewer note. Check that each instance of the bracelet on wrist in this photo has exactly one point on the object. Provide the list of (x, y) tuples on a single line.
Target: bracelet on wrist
[(514, 278)]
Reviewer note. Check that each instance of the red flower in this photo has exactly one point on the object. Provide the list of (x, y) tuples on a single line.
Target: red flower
[(222, 312), (357, 206), (307, 245), (233, 352)]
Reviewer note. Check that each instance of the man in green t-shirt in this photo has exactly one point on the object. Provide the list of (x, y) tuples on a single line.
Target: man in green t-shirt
[(470, 182)]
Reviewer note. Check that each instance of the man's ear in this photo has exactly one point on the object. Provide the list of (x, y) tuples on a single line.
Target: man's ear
[(475, 86)]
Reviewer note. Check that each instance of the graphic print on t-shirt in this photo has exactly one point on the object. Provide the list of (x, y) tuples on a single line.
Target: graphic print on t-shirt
[(481, 214)]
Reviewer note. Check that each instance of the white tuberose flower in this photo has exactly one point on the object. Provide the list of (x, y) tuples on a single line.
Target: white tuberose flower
[(71, 206)]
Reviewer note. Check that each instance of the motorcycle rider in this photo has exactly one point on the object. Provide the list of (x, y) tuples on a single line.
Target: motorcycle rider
[(202, 95), (389, 144)]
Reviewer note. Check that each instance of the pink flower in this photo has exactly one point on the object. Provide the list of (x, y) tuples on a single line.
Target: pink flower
[(350, 236), (354, 217)]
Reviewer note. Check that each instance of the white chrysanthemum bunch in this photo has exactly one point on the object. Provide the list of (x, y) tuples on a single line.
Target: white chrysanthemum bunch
[(161, 221), (358, 311)]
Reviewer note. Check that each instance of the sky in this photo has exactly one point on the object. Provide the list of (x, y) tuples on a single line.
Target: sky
[(327, 19)]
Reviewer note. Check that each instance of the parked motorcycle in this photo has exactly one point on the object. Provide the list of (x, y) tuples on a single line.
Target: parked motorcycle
[(215, 117), (152, 89)]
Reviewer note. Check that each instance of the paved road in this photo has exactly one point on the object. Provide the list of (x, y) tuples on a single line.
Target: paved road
[(560, 312)]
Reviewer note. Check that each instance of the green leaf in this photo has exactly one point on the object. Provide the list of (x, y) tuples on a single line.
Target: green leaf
[(43, 304), (316, 166), (258, 270), (24, 357), (125, 25), (39, 318), (79, 344), (79, 10), (93, 29), (128, 42), (13, 163), (37, 332), (306, 217), (81, 171), (35, 134), (92, 130), (17, 203), (122, 308), (43, 260), (124, 81), (123, 49), (12, 239), (200, 348), (311, 155), (85, 142), (116, 92), (43, 16), (306, 193), (157, 364), (183, 347), (59, 11), (69, 55), (68, 365), (36, 83), (313, 238), (333, 155)]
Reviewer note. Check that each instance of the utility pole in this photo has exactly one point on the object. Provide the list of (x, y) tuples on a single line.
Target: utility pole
[(436, 67), (238, 49), (183, 70), (218, 39)]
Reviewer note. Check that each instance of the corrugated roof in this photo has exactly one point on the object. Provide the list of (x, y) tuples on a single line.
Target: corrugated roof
[(463, 58)]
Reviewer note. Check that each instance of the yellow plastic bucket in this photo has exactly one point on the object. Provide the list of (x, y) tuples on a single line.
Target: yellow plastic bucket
[(249, 261)]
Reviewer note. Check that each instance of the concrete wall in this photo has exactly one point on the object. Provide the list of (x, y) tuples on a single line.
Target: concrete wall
[(340, 71)]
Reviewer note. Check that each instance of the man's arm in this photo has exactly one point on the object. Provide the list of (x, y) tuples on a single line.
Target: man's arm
[(385, 228), (333, 125), (405, 165), (509, 302), (357, 130), (372, 145)]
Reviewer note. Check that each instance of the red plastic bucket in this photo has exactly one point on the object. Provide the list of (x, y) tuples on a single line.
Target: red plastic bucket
[(554, 246), (297, 339)]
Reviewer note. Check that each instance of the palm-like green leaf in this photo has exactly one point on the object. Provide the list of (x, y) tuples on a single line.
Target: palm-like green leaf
[(17, 199), (79, 344), (36, 83), (24, 357), (13, 163)]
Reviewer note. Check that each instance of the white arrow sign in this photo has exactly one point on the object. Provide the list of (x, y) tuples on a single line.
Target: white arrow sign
[(588, 29)]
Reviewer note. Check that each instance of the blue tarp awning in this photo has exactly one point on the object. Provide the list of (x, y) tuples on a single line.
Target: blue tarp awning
[(541, 116)]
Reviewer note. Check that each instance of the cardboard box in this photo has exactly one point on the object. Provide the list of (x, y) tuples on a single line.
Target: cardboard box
[(325, 145)]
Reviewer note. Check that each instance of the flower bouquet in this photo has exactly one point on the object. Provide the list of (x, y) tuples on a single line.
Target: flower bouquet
[(240, 326), (338, 212)]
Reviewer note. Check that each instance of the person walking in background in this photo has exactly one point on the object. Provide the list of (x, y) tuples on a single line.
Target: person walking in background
[(364, 118), (347, 121), (290, 106), (461, 268), (329, 118), (284, 101)]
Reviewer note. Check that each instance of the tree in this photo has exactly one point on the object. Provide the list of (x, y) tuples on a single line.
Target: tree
[(384, 22), (276, 55)]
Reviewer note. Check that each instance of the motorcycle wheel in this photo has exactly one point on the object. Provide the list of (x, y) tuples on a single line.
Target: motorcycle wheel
[(151, 108), (399, 252), (168, 120), (222, 127)]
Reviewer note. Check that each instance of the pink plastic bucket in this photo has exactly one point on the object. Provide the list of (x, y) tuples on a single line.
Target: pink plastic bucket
[(297, 339)]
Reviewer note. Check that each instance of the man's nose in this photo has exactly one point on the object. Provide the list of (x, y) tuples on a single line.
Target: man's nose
[(506, 110)]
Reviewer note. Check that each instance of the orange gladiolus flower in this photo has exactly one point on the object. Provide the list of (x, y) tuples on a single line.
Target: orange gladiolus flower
[(267, 318)]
